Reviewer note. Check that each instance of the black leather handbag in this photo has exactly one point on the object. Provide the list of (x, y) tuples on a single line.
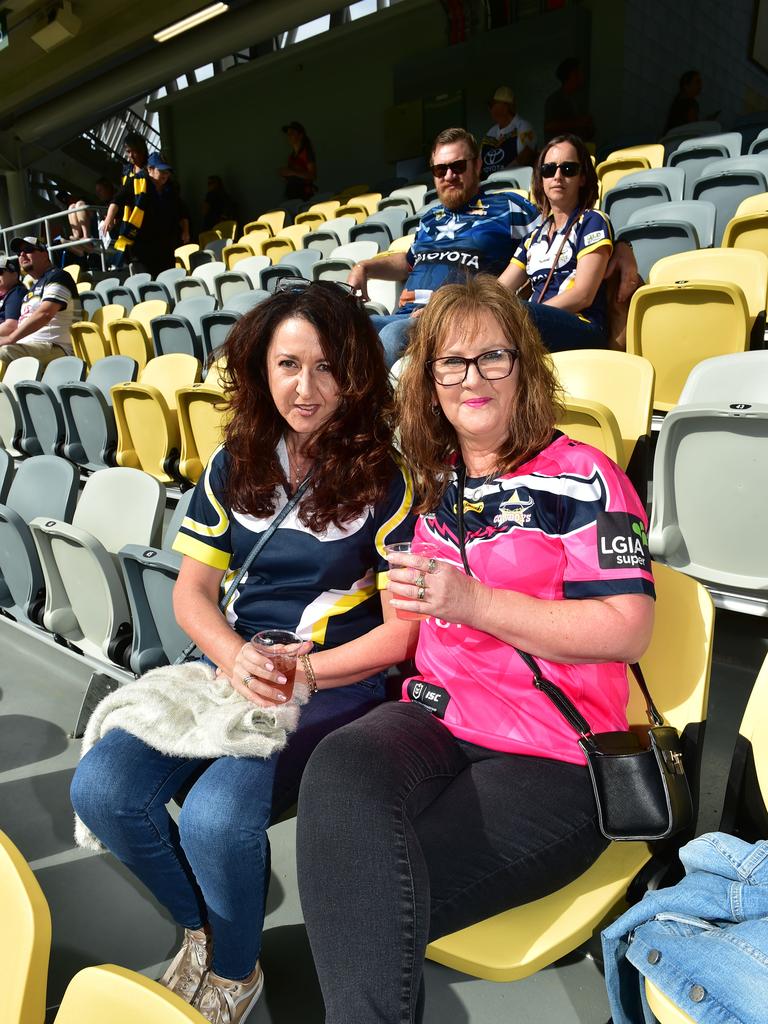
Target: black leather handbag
[(638, 777)]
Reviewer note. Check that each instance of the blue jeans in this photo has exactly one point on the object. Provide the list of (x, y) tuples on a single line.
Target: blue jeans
[(393, 334), (561, 330), (405, 833), (213, 868)]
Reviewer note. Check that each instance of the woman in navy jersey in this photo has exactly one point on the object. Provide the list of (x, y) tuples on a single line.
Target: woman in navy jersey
[(308, 395), (565, 257)]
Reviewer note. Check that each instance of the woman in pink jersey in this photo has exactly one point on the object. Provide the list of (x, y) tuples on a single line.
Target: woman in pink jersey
[(471, 795)]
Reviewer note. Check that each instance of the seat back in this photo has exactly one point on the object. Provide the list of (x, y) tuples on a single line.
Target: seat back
[(44, 485), (134, 281), (90, 302), (88, 341), (104, 287), (26, 368), (169, 373), (701, 214), (275, 219), (300, 263), (121, 506), (749, 232), (591, 423), (25, 939), (727, 182), (106, 314), (252, 267), (654, 240), (202, 418), (694, 155), (114, 994), (40, 406), (6, 473), (640, 189), (91, 432), (621, 381), (653, 152), (675, 326), (338, 226), (194, 309), (247, 301), (208, 273), (760, 143), (728, 380), (230, 283), (121, 296), (217, 325), (610, 172), (746, 269), (189, 288), (170, 276), (183, 253)]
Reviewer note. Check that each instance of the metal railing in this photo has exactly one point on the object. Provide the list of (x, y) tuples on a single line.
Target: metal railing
[(40, 227)]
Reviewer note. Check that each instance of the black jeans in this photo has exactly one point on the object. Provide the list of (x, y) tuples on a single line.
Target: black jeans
[(406, 833)]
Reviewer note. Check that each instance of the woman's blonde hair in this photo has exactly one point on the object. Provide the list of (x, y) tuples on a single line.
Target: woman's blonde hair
[(428, 440)]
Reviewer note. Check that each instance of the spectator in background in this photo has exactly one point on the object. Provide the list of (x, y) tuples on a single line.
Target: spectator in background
[(47, 311), (300, 171), (105, 195), (510, 141), (132, 197), (218, 205), (165, 224), (685, 106), (564, 113), (12, 293)]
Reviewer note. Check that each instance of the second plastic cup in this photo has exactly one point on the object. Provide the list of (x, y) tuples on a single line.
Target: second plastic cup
[(407, 547), (281, 646)]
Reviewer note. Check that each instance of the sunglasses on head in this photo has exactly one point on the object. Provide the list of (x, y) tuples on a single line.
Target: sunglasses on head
[(569, 168), (297, 285), (457, 166)]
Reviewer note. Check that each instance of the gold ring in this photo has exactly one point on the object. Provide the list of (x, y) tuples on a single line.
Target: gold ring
[(247, 679), (432, 565), (420, 581), (420, 593)]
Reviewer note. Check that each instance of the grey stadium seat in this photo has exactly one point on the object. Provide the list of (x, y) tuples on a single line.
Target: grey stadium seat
[(726, 182), (6, 473), (26, 368), (216, 326), (698, 212), (642, 188), (693, 155), (42, 486), (247, 301), (149, 575), (42, 416), (180, 331), (91, 434)]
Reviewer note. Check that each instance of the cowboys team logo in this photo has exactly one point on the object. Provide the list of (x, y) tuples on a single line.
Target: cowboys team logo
[(514, 510)]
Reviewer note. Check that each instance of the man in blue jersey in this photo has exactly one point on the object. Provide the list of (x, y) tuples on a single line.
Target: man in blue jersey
[(467, 233)]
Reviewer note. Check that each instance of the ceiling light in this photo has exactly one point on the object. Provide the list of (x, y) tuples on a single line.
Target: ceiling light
[(192, 21)]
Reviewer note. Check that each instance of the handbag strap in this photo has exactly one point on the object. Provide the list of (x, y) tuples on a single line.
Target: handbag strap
[(252, 554), (566, 231), (564, 704)]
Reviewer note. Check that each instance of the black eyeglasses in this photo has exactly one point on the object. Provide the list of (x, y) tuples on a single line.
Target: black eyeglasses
[(457, 166), (570, 169), (493, 365)]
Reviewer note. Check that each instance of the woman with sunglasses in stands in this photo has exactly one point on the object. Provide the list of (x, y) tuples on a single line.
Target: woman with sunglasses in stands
[(471, 794), (565, 257), (309, 397)]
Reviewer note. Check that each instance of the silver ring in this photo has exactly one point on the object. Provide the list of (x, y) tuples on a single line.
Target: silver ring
[(247, 679), (420, 581), (432, 565), (420, 593)]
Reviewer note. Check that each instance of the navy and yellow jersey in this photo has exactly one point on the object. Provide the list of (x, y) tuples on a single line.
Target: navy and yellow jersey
[(588, 232), (132, 196), (450, 245), (323, 585)]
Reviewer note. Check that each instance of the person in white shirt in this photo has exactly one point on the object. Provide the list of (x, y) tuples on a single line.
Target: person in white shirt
[(510, 141), (48, 310)]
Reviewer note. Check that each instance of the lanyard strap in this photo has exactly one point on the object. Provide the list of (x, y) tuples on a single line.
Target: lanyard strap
[(252, 554), (566, 231), (563, 703)]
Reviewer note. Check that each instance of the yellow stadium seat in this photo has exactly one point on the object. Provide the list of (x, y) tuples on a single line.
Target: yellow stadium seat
[(146, 417), (611, 171), (202, 417), (675, 326), (205, 237), (74, 271), (254, 237), (746, 269), (226, 228), (752, 204), (354, 209), (274, 218), (83, 286), (120, 996), (591, 423), (25, 940), (324, 211), (290, 239), (312, 220), (402, 244), (132, 336), (145, 312), (518, 942), (618, 380), (352, 190), (183, 253), (662, 1007), (653, 152), (88, 341), (748, 232), (232, 254)]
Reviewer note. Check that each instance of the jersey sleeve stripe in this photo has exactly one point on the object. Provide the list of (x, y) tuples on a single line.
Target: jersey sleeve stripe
[(201, 551), (591, 248), (399, 515)]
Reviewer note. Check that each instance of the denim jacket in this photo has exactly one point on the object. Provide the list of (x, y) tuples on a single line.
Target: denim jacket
[(704, 941)]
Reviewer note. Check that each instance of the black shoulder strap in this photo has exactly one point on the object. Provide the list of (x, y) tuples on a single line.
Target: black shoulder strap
[(564, 705)]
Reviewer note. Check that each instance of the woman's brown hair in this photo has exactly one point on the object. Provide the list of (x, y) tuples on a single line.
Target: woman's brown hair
[(427, 438), (352, 450), (588, 192)]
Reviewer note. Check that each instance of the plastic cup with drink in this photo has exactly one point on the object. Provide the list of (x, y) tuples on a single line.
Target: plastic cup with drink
[(407, 547), (281, 646)]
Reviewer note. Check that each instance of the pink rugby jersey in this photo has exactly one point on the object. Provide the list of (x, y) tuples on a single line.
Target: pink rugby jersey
[(566, 524)]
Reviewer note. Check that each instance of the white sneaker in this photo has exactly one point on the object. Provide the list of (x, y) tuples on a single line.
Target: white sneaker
[(186, 970), (222, 1001)]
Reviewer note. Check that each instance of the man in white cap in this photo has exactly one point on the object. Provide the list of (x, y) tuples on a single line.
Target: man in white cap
[(510, 141), (48, 308), (12, 294)]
